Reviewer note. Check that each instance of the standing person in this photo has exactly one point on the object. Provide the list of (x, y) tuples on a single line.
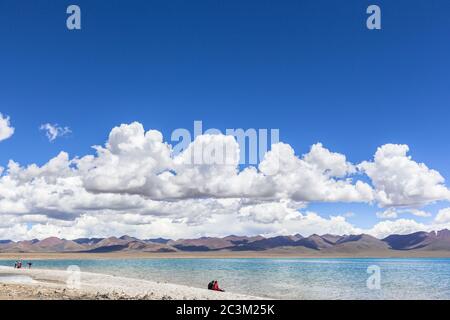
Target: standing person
[(29, 265)]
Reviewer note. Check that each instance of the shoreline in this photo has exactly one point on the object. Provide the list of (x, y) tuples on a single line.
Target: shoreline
[(46, 284)]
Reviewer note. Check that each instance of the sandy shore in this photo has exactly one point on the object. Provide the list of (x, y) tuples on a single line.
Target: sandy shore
[(40, 284)]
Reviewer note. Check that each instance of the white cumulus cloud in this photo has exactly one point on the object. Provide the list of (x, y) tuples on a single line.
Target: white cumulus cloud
[(392, 213), (443, 216), (53, 131), (399, 181), (6, 130)]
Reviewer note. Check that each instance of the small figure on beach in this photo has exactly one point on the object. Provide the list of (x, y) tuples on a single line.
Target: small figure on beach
[(29, 265), (18, 264), (214, 285)]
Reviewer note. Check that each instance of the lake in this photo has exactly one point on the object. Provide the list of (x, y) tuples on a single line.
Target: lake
[(284, 278)]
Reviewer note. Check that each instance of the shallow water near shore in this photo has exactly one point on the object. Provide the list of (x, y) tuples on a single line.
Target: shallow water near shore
[(283, 278), (15, 279)]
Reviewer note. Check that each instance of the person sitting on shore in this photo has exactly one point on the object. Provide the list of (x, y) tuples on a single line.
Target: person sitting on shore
[(214, 285)]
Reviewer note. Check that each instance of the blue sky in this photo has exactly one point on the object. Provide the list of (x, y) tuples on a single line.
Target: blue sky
[(309, 68)]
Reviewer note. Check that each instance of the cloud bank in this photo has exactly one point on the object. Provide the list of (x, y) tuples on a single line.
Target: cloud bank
[(134, 184)]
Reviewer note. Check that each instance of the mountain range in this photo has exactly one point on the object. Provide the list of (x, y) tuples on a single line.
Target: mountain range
[(328, 244)]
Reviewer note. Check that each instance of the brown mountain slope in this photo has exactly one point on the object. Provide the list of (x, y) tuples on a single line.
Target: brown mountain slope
[(432, 241), (314, 244), (126, 243), (209, 243), (358, 244), (52, 244)]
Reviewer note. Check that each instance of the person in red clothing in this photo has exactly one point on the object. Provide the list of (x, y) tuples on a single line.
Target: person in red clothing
[(215, 286)]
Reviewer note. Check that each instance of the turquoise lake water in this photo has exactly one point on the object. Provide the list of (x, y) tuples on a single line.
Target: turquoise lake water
[(284, 278)]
